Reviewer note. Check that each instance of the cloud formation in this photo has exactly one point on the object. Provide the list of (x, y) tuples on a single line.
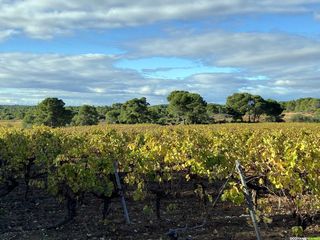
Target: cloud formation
[(214, 63), (287, 63), (86, 76), (48, 18), (270, 64), (93, 79)]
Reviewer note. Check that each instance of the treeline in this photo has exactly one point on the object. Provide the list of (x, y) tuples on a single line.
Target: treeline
[(306, 109), (183, 108), (302, 105), (18, 112), (14, 112)]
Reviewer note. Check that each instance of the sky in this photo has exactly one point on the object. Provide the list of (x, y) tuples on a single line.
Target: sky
[(101, 52)]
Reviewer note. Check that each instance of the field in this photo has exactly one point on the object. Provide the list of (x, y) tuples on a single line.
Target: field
[(59, 183), (288, 115), (10, 123)]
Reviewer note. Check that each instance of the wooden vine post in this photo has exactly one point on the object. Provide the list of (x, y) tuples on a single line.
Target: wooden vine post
[(248, 199), (121, 193)]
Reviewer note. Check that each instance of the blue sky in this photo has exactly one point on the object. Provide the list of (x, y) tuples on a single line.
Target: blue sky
[(105, 51)]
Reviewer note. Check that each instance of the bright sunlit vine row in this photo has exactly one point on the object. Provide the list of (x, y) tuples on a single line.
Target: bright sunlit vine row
[(284, 160)]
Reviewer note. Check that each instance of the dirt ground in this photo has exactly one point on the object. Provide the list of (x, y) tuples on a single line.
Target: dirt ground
[(20, 219)]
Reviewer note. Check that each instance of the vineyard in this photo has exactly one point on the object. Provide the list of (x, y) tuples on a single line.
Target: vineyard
[(181, 178)]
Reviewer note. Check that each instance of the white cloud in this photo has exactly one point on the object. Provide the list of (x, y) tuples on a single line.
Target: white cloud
[(162, 91), (97, 90), (87, 78), (267, 91), (93, 79), (234, 49), (283, 83), (284, 60), (5, 34), (47, 18), (269, 63), (145, 90), (82, 77)]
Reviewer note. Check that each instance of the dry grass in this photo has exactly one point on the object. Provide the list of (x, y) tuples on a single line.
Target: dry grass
[(10, 123)]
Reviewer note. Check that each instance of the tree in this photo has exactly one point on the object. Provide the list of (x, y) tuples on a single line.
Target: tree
[(29, 118), (102, 111), (302, 105), (135, 111), (240, 103), (216, 112), (236, 115), (187, 107), (10, 112), (87, 115), (112, 116), (159, 114), (289, 106), (246, 103), (273, 109), (50, 112), (214, 108), (258, 107)]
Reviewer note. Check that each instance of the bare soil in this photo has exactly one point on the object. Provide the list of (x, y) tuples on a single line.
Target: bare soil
[(30, 219)]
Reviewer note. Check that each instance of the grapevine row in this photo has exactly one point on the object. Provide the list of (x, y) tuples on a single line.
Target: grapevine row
[(282, 160)]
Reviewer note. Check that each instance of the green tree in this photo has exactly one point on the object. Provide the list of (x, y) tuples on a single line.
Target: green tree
[(102, 111), (289, 106), (258, 107), (135, 111), (241, 103), (235, 115), (13, 112), (214, 108), (302, 105), (274, 110), (247, 104), (112, 116), (29, 118), (188, 108), (217, 113), (50, 112), (159, 114), (88, 115)]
